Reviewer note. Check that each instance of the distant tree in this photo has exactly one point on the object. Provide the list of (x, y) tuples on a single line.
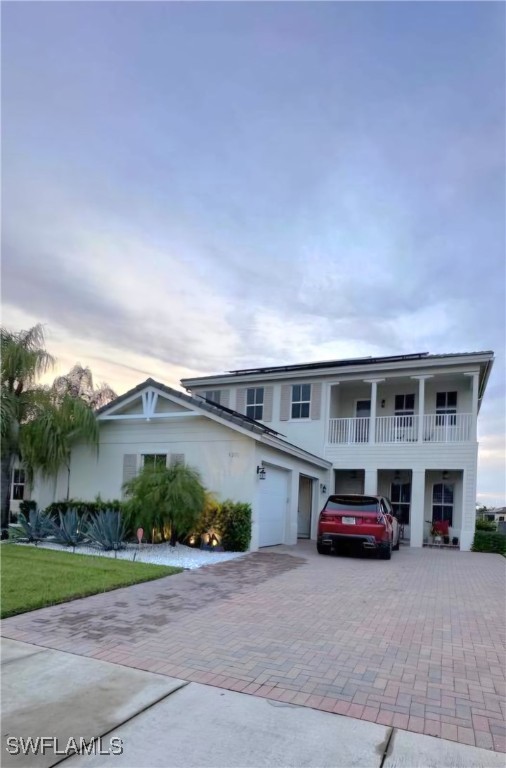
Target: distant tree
[(482, 511), (78, 383)]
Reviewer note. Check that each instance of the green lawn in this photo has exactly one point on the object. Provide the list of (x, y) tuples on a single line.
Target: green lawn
[(33, 578)]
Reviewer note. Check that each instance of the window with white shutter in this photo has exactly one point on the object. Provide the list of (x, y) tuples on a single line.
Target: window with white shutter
[(301, 401), (176, 458), (154, 459), (255, 403)]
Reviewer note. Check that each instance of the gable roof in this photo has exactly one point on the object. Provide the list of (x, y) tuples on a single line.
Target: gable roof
[(226, 413), (235, 420)]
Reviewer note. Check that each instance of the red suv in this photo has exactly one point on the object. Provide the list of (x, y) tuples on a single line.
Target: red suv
[(363, 521)]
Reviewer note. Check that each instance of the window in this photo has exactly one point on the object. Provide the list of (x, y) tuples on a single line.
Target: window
[(442, 502), (446, 408), (213, 396), (404, 410), (255, 403), (400, 496), (18, 485), (154, 459), (352, 504), (301, 400)]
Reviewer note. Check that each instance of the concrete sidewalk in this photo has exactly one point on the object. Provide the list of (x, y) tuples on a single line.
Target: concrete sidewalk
[(160, 721)]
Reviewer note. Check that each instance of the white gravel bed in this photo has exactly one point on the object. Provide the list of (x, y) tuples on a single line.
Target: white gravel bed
[(156, 554)]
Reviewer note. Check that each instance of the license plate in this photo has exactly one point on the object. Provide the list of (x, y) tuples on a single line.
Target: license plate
[(349, 520)]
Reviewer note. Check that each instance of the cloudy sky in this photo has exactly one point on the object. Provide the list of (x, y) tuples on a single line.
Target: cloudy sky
[(190, 188)]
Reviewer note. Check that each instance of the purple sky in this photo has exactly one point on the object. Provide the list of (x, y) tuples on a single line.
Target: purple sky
[(195, 187)]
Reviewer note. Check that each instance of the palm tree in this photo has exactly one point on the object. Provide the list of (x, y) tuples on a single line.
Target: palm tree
[(165, 497), (24, 360), (40, 423), (46, 441)]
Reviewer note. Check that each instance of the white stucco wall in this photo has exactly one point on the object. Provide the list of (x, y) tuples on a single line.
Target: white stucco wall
[(223, 456)]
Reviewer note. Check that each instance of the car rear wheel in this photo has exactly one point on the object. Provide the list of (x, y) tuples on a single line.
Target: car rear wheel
[(322, 550), (386, 551)]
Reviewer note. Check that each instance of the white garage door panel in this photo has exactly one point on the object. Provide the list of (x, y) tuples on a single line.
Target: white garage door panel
[(273, 496)]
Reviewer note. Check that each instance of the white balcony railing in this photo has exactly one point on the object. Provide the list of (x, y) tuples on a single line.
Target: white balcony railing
[(396, 429), (437, 428), (447, 427), (349, 430)]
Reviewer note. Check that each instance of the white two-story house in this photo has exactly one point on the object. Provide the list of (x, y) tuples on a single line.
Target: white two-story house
[(402, 426)]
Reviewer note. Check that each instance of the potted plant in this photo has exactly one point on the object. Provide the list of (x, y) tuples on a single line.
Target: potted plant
[(436, 536)]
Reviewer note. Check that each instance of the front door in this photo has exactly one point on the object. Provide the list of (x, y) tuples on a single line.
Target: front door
[(363, 415), (304, 516)]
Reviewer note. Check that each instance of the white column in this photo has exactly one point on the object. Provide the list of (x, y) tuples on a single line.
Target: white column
[(421, 408), (421, 405), (417, 511), (372, 425), (374, 398), (468, 508), (474, 404), (371, 482)]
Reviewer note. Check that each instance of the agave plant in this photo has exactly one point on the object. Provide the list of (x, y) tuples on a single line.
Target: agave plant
[(35, 527), (69, 531), (107, 529)]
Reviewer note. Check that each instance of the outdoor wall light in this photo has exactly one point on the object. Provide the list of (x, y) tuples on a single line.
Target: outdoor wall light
[(383, 403), (261, 473), (323, 488), (445, 475)]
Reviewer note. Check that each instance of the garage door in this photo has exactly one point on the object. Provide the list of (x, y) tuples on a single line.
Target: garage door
[(273, 495)]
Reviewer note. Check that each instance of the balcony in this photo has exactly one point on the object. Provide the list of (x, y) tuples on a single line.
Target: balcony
[(437, 428)]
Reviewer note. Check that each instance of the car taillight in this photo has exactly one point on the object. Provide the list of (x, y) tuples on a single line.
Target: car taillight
[(325, 516)]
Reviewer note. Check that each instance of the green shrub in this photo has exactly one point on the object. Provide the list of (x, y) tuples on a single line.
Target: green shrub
[(237, 525), (486, 525), (27, 506), (83, 508), (486, 541), (230, 519)]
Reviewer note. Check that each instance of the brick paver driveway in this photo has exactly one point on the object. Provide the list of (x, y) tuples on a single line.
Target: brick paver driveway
[(417, 642)]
